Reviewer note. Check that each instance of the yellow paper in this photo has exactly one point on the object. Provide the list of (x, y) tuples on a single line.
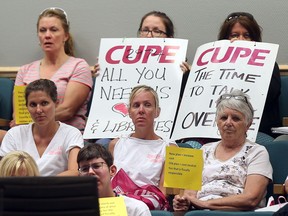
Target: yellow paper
[(112, 206), (22, 116), (183, 168)]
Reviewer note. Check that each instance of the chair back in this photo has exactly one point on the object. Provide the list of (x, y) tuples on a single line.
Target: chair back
[(6, 97), (227, 213), (278, 151), (161, 213), (49, 196), (283, 99), (263, 138)]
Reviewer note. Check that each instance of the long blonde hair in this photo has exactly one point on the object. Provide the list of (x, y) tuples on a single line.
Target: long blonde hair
[(18, 163)]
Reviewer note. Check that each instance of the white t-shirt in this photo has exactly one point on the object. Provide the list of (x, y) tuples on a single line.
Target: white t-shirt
[(55, 158), (142, 160), (136, 207), (226, 178)]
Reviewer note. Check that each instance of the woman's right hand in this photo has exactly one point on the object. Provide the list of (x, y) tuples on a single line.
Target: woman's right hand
[(181, 203)]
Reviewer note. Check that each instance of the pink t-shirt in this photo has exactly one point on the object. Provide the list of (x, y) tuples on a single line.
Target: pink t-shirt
[(74, 69)]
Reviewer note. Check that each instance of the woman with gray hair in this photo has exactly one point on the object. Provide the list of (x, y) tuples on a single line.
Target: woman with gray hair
[(236, 171)]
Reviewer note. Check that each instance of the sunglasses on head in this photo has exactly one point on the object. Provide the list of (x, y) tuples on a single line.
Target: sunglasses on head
[(239, 14), (236, 97), (58, 9)]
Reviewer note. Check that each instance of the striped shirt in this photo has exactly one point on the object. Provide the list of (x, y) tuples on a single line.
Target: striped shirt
[(74, 69)]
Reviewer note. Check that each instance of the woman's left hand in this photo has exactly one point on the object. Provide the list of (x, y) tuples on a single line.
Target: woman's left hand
[(185, 67)]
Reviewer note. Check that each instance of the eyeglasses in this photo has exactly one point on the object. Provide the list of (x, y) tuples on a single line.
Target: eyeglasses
[(84, 170), (236, 97), (58, 9), (154, 32), (239, 14), (246, 36)]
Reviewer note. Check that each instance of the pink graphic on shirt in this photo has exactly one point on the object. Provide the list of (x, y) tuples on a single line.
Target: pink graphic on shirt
[(155, 158), (57, 151), (121, 108)]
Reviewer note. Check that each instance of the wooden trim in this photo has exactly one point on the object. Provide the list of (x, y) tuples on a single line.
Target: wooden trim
[(279, 189), (4, 122), (283, 70), (285, 121), (10, 72)]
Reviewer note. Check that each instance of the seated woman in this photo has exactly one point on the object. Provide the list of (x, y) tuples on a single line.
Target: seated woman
[(156, 24), (236, 171), (142, 154), (53, 144), (71, 75), (243, 26), (18, 163)]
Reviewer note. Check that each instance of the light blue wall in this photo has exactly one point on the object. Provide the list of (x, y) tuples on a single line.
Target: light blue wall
[(196, 20)]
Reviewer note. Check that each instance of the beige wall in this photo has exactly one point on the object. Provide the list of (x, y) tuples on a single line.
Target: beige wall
[(196, 20)]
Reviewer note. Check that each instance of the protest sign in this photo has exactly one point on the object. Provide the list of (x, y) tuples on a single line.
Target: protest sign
[(183, 168), (112, 206), (126, 63), (21, 113), (219, 67)]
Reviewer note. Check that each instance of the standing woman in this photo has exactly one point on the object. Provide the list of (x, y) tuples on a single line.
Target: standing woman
[(71, 75), (53, 145), (141, 154), (243, 26)]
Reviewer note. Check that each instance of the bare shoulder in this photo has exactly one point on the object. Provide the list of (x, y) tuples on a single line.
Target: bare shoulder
[(114, 141), (112, 144)]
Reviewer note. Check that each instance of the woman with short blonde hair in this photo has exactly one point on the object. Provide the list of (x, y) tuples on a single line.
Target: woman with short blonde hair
[(18, 163)]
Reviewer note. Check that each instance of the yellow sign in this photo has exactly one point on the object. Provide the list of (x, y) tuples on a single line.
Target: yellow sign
[(183, 168), (22, 116), (112, 206)]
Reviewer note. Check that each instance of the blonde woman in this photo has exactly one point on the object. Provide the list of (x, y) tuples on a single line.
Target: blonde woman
[(18, 163), (71, 75)]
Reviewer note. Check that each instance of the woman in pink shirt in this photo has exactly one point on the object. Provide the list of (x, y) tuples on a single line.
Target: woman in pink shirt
[(71, 75)]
